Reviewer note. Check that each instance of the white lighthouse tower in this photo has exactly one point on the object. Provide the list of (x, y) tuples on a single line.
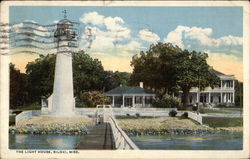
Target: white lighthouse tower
[(62, 100)]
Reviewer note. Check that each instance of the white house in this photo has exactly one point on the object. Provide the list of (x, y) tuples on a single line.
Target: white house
[(131, 96), (224, 94)]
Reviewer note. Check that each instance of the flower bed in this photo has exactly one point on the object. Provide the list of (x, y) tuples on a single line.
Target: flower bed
[(53, 125), (168, 125)]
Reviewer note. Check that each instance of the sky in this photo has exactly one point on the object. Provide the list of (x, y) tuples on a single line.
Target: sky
[(118, 33)]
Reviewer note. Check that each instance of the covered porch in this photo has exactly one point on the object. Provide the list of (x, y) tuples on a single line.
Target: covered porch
[(132, 100), (131, 97)]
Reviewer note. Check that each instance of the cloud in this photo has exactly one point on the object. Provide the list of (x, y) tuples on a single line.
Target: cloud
[(43, 32), (114, 27), (92, 18), (183, 34), (227, 64), (148, 36)]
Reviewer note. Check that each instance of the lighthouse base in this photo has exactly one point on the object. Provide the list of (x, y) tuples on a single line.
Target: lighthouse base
[(57, 110)]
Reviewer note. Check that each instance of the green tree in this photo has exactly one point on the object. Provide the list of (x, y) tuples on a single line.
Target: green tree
[(87, 75), (191, 70), (155, 69), (165, 68), (114, 79), (239, 94), (18, 93), (40, 77)]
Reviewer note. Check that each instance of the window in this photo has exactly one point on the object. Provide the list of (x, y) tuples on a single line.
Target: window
[(148, 100), (138, 100)]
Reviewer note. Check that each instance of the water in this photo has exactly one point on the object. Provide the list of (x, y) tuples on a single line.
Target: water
[(29, 141), (190, 142), (166, 142)]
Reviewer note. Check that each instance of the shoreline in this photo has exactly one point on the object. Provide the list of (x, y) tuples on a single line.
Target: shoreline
[(131, 126), (179, 132)]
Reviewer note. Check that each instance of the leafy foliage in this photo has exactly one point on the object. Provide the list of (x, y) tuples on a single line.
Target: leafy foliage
[(18, 91), (239, 94), (154, 68), (94, 98), (114, 79), (172, 113), (87, 73), (165, 68), (40, 77), (166, 101)]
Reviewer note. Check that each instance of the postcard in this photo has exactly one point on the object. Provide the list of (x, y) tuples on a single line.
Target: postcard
[(124, 79)]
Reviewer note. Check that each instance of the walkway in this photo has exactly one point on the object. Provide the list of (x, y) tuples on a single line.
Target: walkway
[(99, 138)]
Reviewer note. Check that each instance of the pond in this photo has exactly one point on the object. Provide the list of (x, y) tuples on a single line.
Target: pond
[(30, 141), (166, 142), (190, 142)]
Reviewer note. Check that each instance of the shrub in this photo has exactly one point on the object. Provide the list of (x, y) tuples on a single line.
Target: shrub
[(94, 98), (194, 108), (137, 115), (184, 115), (167, 101), (172, 113)]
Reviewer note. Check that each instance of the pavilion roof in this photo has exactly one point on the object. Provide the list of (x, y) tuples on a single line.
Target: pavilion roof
[(129, 90)]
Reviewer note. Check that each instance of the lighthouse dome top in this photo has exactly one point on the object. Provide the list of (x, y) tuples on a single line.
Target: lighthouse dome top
[(65, 21)]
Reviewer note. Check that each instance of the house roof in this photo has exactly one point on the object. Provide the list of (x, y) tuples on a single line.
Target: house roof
[(129, 90), (217, 73), (221, 75)]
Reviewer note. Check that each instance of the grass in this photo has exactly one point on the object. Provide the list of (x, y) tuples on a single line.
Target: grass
[(222, 122), (219, 111), (157, 123), (211, 111)]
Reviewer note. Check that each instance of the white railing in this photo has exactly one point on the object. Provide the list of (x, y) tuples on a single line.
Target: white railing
[(195, 116), (121, 140), (25, 115)]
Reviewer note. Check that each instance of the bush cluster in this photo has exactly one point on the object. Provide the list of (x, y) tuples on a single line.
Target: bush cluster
[(166, 101), (94, 98), (172, 113)]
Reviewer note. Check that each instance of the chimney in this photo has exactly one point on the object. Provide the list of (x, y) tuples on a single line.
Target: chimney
[(141, 84)]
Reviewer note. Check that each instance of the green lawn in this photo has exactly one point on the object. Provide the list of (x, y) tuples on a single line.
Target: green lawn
[(222, 122), (220, 111)]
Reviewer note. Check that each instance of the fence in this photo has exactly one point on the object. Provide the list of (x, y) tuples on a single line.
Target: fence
[(152, 112), (195, 116), (122, 141), (25, 115)]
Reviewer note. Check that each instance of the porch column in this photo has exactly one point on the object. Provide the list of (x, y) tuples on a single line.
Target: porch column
[(113, 101), (233, 84), (143, 101), (233, 96), (225, 97), (209, 97), (197, 98), (221, 98), (123, 100), (133, 101), (221, 84)]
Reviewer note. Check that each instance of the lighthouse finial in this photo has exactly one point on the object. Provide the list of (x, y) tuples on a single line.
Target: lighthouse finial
[(65, 13)]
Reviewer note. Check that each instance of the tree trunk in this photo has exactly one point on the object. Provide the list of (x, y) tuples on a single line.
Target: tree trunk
[(185, 98)]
